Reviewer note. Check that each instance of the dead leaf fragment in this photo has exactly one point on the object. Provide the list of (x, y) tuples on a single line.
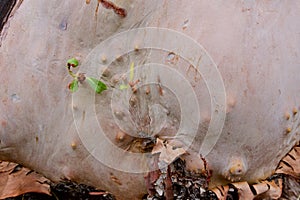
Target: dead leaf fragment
[(265, 189), (168, 153), (290, 164), (16, 180), (158, 147)]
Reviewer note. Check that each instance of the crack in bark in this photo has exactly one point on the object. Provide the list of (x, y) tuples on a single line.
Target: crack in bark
[(6, 6)]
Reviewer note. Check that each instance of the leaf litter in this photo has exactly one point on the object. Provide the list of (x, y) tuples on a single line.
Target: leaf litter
[(20, 183)]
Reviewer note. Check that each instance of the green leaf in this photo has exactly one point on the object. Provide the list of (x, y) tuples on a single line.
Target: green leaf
[(73, 86), (73, 62), (97, 85)]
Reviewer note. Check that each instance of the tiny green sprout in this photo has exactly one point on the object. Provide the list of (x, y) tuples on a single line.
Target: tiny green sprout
[(72, 62), (131, 71), (73, 86), (123, 87), (131, 77), (97, 85)]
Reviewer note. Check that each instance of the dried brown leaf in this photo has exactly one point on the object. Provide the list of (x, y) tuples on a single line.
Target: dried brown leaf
[(16, 180), (158, 147), (221, 192), (290, 164), (168, 153), (265, 189)]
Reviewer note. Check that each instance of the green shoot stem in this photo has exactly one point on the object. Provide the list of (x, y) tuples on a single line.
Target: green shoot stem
[(72, 74)]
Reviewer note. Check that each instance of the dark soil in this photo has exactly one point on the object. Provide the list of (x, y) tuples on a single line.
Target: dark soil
[(72, 191), (67, 190), (185, 185)]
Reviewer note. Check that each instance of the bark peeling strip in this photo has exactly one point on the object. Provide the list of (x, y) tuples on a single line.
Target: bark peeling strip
[(7, 9)]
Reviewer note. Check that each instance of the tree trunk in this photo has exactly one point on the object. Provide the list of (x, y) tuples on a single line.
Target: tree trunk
[(235, 99)]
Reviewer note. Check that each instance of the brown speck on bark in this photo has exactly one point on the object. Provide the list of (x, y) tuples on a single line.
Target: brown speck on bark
[(148, 90), (81, 77), (287, 116), (115, 179), (110, 5), (3, 123), (159, 86), (295, 111), (133, 84)]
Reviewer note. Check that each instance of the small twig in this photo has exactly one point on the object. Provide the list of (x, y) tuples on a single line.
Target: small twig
[(97, 193), (208, 173), (168, 185)]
